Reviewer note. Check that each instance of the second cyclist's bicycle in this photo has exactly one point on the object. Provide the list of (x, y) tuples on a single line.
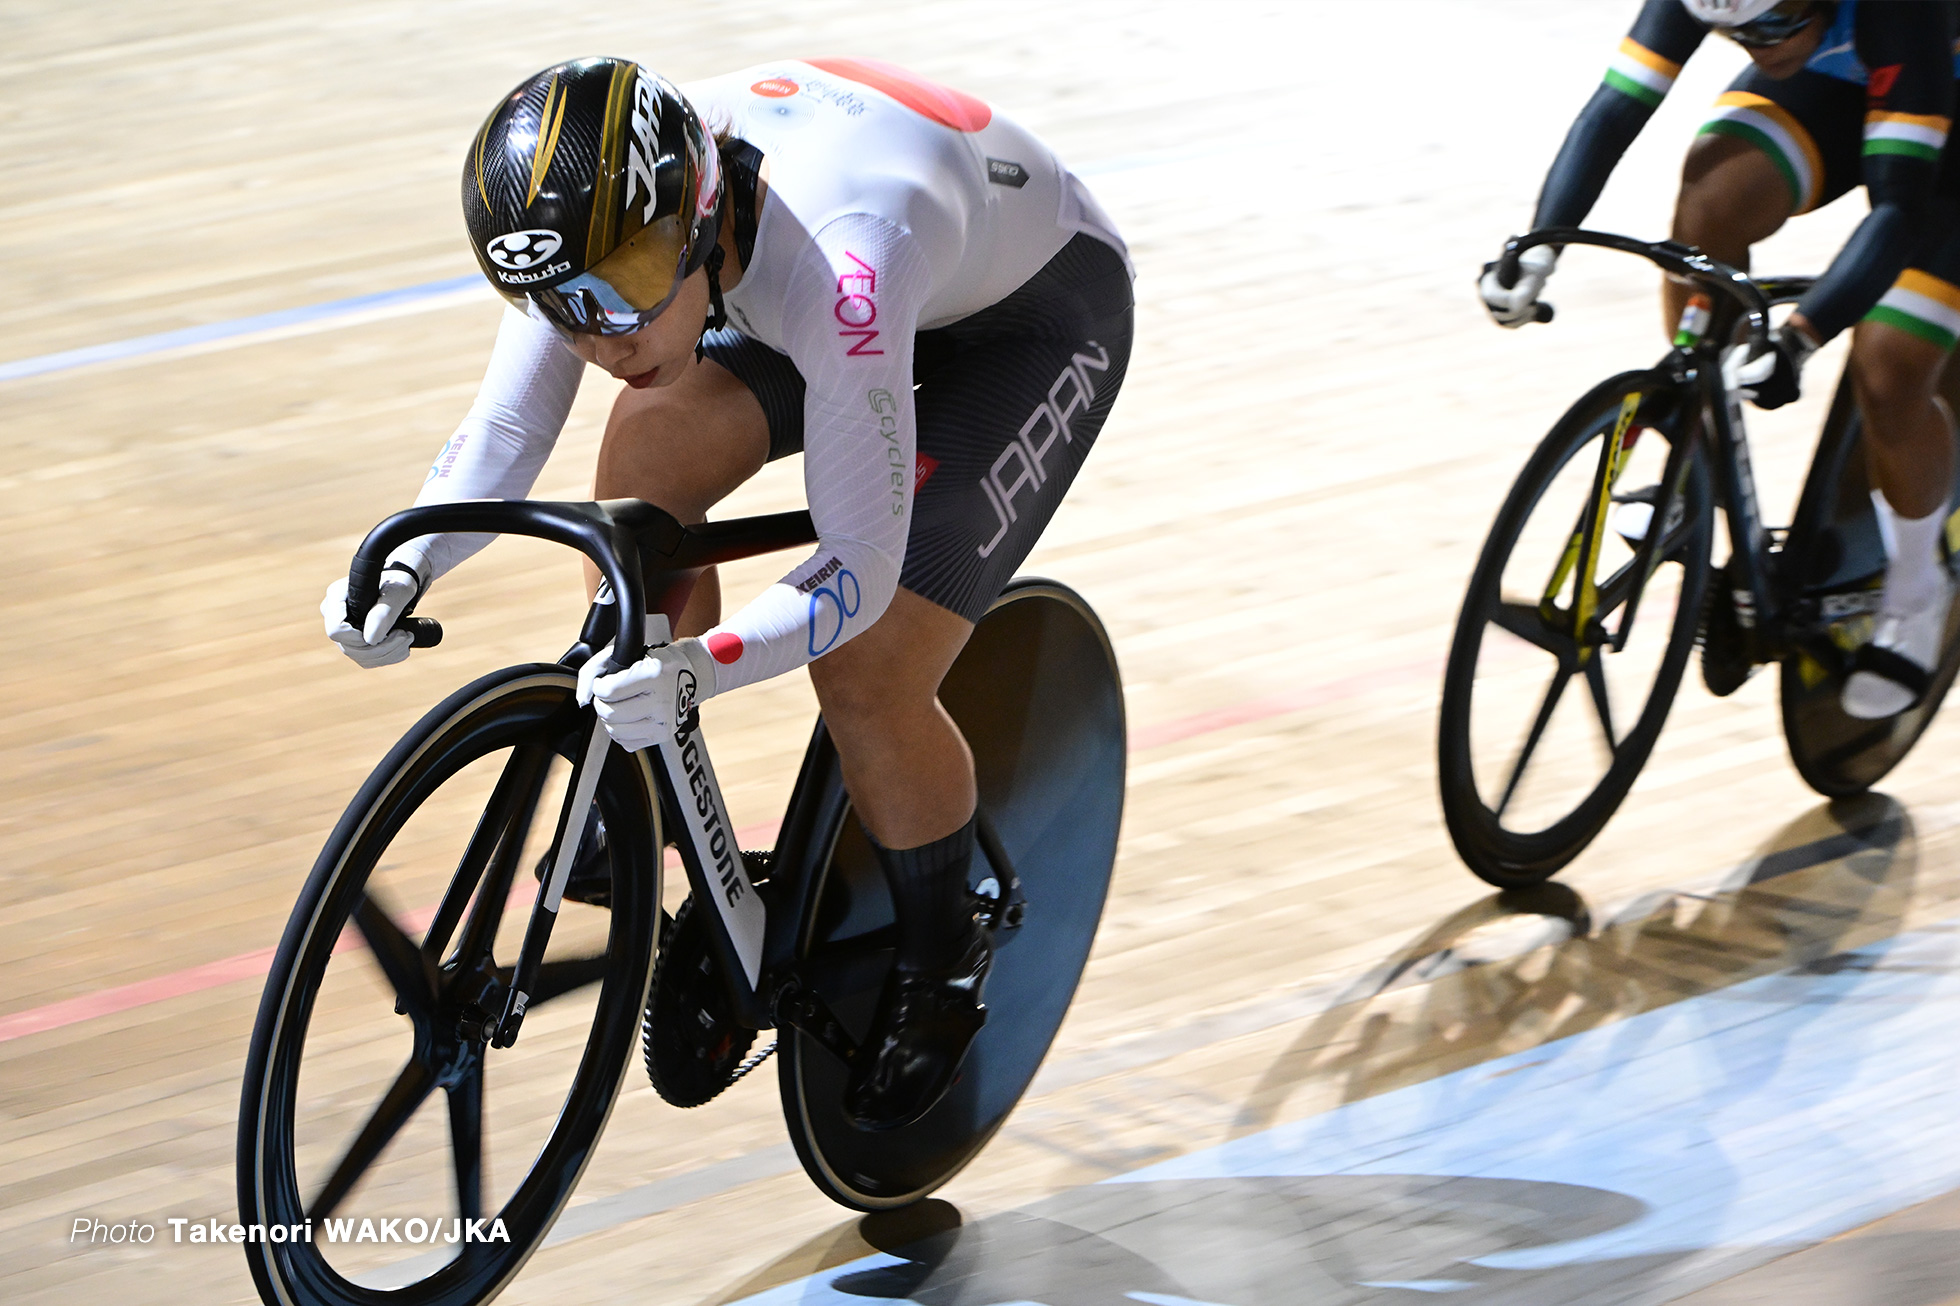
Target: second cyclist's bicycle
[(1596, 582), (427, 961)]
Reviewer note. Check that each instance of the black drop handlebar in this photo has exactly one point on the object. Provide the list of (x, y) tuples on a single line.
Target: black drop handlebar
[(627, 539), (1669, 255)]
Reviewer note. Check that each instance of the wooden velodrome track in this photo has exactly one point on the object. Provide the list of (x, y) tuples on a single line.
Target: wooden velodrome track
[(1276, 527)]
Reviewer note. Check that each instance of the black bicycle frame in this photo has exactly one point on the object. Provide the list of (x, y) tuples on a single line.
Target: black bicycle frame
[(1693, 368), (651, 562)]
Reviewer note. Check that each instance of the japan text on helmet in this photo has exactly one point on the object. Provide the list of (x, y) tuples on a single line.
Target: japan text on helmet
[(1754, 22), (591, 192)]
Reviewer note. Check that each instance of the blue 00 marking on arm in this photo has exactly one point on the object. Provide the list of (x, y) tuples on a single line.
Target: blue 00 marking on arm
[(845, 600)]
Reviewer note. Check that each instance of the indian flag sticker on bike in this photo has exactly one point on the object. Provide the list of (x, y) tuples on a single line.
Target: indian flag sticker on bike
[(1922, 305), (1917, 135), (1637, 71)]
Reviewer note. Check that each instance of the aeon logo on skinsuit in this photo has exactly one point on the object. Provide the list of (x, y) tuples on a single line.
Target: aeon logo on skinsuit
[(1020, 465), (517, 250)]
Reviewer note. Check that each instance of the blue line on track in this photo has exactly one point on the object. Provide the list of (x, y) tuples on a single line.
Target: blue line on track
[(240, 326), (408, 296), (1714, 1134)]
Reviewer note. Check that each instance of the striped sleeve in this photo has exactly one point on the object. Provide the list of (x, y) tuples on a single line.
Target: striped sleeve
[(1638, 77), (1915, 135), (1638, 72), (1921, 305)]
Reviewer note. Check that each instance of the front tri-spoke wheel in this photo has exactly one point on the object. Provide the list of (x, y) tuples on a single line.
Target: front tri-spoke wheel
[(1578, 623), (420, 1162)]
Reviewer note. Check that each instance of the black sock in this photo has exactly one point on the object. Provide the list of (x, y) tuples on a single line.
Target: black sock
[(930, 897)]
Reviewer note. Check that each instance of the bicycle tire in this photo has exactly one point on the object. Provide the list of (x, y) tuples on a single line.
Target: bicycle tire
[(1037, 694), (529, 711), (1836, 554), (1512, 858)]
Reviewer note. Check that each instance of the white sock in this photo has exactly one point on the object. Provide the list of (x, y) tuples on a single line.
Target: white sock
[(1913, 574)]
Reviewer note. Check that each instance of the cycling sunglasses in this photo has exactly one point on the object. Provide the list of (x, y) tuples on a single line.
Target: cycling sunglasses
[(1772, 28), (623, 291)]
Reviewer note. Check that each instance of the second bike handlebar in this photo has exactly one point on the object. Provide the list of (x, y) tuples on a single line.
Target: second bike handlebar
[(622, 537), (1684, 261)]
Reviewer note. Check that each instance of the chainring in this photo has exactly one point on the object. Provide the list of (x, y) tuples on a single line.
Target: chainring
[(694, 1045)]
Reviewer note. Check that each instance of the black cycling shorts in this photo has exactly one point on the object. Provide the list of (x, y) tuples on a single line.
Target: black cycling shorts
[(1812, 128), (1009, 402)]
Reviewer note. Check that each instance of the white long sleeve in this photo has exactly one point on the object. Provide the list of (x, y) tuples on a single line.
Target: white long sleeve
[(849, 313), (502, 443)]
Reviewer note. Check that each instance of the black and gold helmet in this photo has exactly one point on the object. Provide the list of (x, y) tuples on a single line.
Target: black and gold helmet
[(591, 192)]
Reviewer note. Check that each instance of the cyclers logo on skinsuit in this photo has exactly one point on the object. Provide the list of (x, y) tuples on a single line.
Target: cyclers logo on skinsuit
[(517, 250), (885, 409), (1046, 424)]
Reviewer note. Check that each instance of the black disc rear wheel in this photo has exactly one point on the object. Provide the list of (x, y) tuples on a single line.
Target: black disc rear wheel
[(1037, 695), (1574, 633), (371, 1092)]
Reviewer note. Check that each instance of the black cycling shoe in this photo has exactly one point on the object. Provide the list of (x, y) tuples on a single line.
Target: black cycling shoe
[(926, 1021)]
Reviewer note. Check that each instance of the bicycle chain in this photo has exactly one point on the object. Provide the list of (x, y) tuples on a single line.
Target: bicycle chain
[(753, 1060)]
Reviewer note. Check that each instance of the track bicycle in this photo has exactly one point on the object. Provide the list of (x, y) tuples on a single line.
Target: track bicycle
[(1611, 520), (524, 1006)]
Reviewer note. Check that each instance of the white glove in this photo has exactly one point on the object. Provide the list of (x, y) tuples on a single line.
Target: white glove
[(1774, 377), (642, 704), (377, 643), (1516, 305)]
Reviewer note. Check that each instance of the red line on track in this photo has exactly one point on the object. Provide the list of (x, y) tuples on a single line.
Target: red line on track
[(251, 965)]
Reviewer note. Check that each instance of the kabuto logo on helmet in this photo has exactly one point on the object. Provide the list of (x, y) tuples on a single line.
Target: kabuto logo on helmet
[(518, 250)]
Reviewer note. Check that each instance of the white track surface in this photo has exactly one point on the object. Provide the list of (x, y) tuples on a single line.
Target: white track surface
[(1276, 526)]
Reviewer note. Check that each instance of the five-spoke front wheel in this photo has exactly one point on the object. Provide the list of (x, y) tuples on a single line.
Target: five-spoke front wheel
[(403, 1156), (1578, 623)]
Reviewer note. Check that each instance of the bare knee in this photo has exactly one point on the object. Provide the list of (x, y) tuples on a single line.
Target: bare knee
[(1732, 196), (850, 692), (683, 447), (1895, 376)]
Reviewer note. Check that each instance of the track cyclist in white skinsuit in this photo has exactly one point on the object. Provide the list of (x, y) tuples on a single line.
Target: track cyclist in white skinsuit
[(835, 257), (1838, 93)]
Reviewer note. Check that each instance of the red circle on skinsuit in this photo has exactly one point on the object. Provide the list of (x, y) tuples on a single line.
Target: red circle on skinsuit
[(725, 648), (776, 88)]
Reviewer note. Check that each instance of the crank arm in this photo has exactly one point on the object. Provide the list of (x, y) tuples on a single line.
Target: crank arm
[(1007, 910), (803, 1009)]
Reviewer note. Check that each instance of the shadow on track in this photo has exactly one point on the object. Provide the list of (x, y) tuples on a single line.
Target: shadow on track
[(1524, 968)]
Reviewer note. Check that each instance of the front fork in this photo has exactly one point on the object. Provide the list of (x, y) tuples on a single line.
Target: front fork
[(1583, 551)]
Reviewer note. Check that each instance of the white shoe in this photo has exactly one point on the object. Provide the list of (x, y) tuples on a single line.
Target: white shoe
[(1896, 668)]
